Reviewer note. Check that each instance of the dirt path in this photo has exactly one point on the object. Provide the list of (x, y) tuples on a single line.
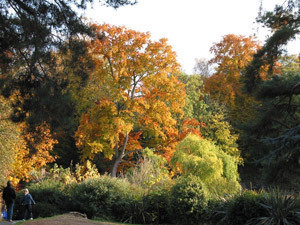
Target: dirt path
[(8, 223), (66, 219)]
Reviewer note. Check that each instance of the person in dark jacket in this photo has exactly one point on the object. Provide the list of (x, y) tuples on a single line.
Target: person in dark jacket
[(9, 196), (27, 201)]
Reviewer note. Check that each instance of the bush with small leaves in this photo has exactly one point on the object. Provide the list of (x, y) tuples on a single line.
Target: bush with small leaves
[(102, 197), (188, 200), (202, 158), (156, 204), (244, 207)]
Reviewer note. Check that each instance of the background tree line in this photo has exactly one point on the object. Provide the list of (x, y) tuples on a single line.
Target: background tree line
[(73, 92)]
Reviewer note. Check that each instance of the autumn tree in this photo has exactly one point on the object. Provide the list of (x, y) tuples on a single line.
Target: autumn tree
[(31, 31), (9, 136), (232, 55), (31, 34), (138, 96), (31, 152), (22, 152)]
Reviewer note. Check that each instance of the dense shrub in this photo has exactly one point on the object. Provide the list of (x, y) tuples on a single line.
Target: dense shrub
[(185, 200), (155, 204), (103, 197), (188, 200), (244, 207), (144, 206), (202, 158)]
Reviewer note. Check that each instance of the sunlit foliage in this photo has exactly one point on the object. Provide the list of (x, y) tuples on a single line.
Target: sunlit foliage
[(231, 56), (138, 96), (32, 152), (206, 117), (9, 137), (216, 169)]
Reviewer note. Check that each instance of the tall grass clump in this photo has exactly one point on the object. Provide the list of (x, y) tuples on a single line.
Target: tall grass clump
[(281, 208)]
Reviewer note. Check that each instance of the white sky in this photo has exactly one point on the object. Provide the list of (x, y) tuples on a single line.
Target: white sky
[(191, 26)]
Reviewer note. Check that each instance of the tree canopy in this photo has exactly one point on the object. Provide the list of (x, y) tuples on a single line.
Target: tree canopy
[(138, 96)]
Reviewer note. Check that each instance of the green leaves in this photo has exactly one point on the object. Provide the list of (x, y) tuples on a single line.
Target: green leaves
[(201, 158)]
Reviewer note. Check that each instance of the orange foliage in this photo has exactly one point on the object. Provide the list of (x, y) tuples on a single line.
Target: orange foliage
[(32, 152), (138, 98), (191, 126), (232, 55)]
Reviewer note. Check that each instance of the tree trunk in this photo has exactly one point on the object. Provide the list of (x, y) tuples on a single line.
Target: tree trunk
[(119, 158), (115, 166)]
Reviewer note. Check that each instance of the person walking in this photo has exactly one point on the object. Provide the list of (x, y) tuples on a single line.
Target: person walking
[(9, 196), (27, 201)]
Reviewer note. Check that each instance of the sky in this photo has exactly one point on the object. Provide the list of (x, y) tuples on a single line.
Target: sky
[(191, 26)]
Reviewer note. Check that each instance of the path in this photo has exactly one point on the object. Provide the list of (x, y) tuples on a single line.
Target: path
[(65, 219), (2, 222)]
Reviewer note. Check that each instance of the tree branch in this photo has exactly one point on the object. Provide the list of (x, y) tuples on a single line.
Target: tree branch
[(281, 123), (293, 91), (111, 68), (130, 163), (137, 150)]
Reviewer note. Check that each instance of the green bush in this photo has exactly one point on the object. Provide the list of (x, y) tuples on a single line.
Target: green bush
[(153, 169), (202, 158), (156, 204), (150, 207), (50, 192), (102, 197), (244, 207), (43, 209), (216, 211), (50, 197), (188, 200)]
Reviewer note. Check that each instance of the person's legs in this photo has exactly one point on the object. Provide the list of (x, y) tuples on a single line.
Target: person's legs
[(30, 211), (25, 212), (10, 210)]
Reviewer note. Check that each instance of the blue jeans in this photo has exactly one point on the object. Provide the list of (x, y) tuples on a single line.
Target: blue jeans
[(10, 210)]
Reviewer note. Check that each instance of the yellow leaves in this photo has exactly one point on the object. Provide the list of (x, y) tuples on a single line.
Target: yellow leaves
[(27, 159), (137, 94), (96, 147), (99, 130)]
